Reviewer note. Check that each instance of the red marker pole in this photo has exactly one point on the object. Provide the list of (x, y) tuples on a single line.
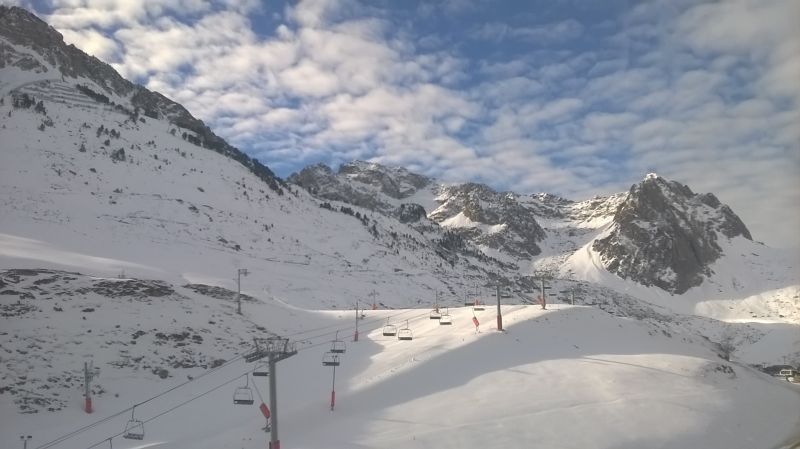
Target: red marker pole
[(499, 315), (333, 389), (355, 336), (87, 379)]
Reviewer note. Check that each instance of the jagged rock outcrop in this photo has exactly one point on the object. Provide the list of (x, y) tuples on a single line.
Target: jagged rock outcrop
[(666, 236), (395, 182), (502, 221), (496, 220), (409, 213), (323, 183)]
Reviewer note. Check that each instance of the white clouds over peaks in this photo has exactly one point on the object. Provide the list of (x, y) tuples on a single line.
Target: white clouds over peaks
[(704, 92)]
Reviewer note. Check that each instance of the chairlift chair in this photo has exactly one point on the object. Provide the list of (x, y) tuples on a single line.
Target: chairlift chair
[(478, 305), (134, 429), (435, 314), (389, 330), (405, 333), (330, 359), (261, 370), (446, 319), (243, 395), (338, 346)]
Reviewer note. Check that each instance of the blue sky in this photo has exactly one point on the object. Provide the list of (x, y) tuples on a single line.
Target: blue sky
[(572, 97)]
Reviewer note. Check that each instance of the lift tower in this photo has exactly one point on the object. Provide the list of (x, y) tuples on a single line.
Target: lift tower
[(274, 349)]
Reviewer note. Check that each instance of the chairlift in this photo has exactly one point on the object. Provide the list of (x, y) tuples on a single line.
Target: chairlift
[(330, 359), (389, 330), (405, 333), (243, 395), (446, 319), (478, 305), (134, 429), (435, 314), (261, 370), (338, 346)]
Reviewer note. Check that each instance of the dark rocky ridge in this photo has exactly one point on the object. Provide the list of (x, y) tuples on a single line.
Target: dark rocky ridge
[(665, 235), (356, 182), (480, 204), (21, 27), (396, 182), (323, 183)]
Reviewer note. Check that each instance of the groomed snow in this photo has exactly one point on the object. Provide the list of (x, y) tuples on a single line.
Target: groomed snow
[(548, 381)]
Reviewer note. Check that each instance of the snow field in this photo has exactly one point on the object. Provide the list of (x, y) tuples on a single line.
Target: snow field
[(548, 381)]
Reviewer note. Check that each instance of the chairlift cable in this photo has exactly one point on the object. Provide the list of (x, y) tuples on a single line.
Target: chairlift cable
[(78, 431), (213, 370), (173, 408)]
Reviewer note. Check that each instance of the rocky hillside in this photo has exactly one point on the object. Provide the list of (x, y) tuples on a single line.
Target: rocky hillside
[(22, 31), (666, 235), (490, 219), (497, 222)]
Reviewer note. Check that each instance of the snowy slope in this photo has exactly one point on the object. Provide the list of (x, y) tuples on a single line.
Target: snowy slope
[(548, 381), (172, 210)]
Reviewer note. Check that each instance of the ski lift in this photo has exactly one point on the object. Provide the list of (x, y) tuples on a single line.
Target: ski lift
[(478, 305), (405, 333), (446, 319), (261, 370), (435, 314), (338, 346), (243, 395), (330, 359), (134, 429), (389, 330)]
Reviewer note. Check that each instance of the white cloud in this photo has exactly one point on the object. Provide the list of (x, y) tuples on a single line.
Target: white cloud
[(93, 42), (705, 93), (546, 33)]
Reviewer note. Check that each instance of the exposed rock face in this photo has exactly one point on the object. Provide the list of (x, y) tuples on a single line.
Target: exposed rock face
[(395, 182), (475, 212), (409, 213), (666, 236), (20, 27), (323, 183), (497, 220)]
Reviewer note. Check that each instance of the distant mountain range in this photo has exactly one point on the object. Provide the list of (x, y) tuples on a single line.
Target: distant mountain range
[(104, 131)]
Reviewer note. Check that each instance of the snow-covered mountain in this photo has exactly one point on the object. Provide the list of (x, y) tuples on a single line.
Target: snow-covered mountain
[(125, 223), (659, 233), (665, 235)]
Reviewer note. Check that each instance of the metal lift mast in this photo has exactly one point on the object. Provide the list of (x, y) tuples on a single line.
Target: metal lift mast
[(275, 349)]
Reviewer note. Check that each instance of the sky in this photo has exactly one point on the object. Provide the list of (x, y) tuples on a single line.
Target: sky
[(576, 98)]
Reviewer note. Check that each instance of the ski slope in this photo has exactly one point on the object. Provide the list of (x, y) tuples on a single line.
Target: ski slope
[(569, 376)]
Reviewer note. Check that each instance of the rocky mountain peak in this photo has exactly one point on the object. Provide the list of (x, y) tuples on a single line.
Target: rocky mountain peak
[(20, 27), (29, 29), (493, 219), (665, 235), (395, 182)]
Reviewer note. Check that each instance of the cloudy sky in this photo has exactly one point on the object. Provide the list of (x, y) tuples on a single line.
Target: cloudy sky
[(571, 97)]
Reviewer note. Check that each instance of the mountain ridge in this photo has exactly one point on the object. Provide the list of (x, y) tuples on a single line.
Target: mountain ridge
[(490, 237), (23, 28)]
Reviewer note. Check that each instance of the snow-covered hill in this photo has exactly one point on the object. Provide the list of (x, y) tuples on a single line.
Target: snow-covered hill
[(569, 376)]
